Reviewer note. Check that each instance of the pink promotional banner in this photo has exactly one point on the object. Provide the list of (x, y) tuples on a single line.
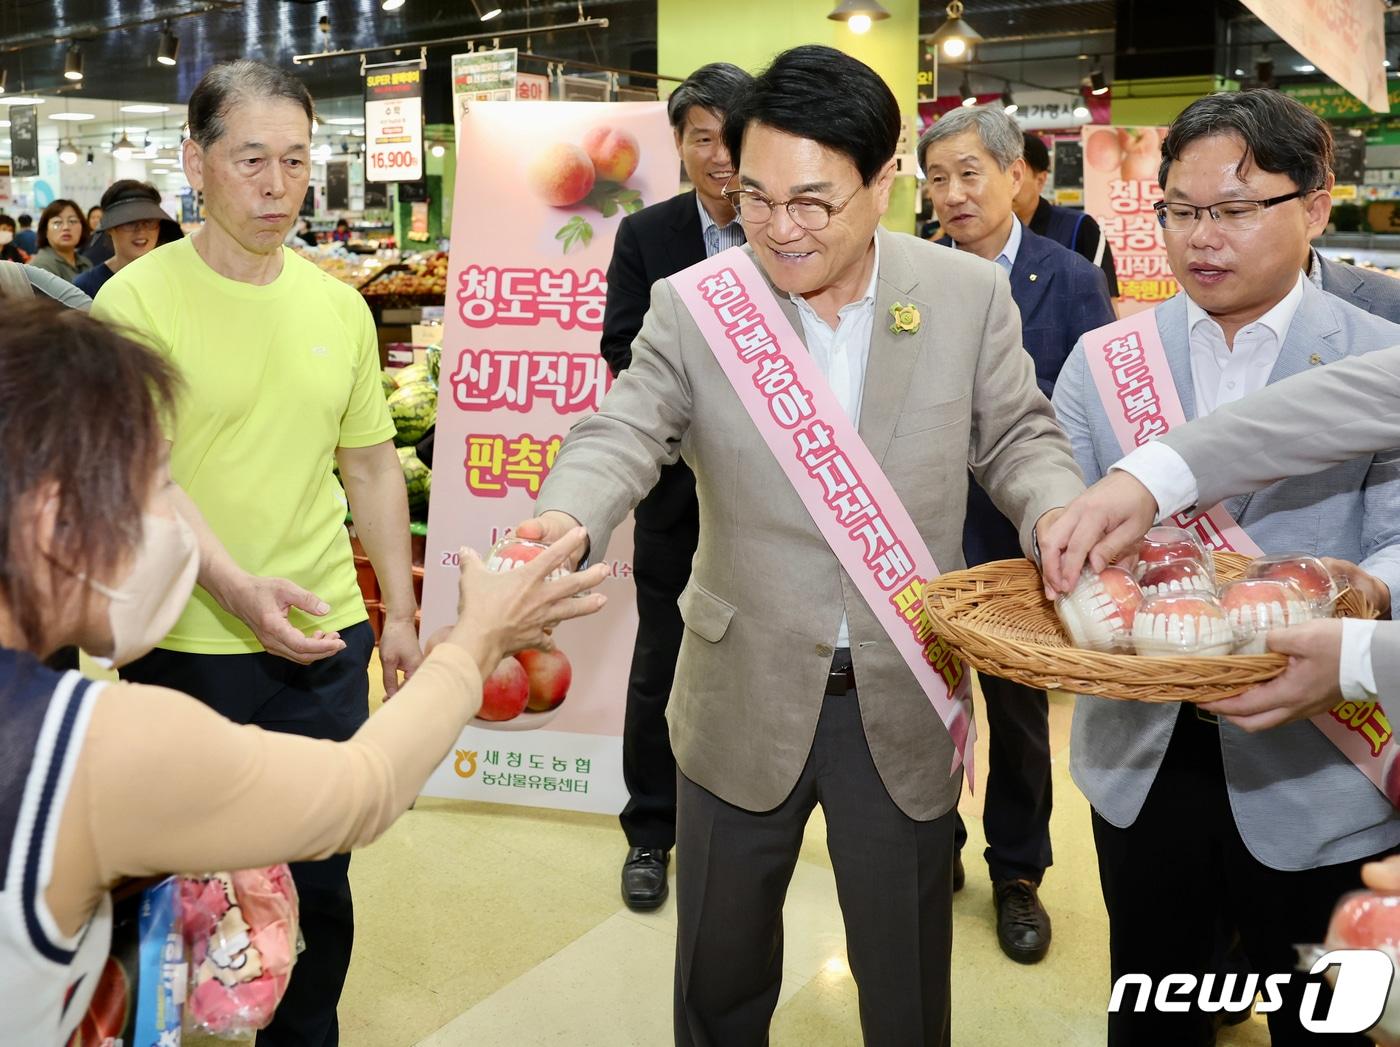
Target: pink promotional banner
[(1120, 187), (541, 188), (1343, 38)]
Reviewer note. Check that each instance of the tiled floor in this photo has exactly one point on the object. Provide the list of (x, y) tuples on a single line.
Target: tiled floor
[(502, 926)]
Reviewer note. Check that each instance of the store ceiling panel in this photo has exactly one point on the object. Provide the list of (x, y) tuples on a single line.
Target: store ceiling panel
[(119, 56)]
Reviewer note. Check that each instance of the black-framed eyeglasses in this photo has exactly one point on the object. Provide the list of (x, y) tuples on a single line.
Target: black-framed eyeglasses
[(1231, 215), (808, 212)]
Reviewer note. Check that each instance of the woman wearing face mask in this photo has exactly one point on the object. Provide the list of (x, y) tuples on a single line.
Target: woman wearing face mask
[(132, 219), (107, 781), (9, 250), (63, 233)]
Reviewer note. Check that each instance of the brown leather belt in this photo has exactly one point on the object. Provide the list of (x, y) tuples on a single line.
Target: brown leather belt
[(842, 677)]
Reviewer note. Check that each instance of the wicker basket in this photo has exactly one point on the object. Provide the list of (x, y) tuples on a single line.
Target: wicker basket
[(997, 617)]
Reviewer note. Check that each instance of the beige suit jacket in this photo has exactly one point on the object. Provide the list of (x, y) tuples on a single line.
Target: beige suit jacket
[(766, 593)]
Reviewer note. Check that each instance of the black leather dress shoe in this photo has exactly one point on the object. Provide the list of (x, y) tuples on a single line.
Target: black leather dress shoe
[(644, 886), (959, 873), (1023, 925)]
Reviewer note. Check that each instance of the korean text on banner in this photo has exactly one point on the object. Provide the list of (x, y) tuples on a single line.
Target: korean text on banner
[(1120, 187), (1343, 38), (394, 123), (533, 229)]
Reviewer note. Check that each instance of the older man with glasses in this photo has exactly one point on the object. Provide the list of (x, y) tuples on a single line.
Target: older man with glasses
[(843, 382), (1201, 821)]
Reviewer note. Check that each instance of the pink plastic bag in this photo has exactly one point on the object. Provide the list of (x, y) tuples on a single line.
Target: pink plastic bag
[(241, 933)]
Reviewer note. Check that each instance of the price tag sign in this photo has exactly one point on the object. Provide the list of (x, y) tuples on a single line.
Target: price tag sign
[(394, 123)]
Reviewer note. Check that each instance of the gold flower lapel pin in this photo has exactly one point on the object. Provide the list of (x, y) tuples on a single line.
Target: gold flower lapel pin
[(906, 319)]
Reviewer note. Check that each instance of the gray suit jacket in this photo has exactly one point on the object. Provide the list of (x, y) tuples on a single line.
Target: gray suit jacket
[(766, 592), (1312, 421), (1297, 801), (1374, 292)]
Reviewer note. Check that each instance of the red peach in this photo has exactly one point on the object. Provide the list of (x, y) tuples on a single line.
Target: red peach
[(614, 152), (1123, 591), (1195, 606), (550, 675), (505, 692), (562, 175), (1306, 572), (1175, 576), (1365, 920), (1256, 592), (511, 554)]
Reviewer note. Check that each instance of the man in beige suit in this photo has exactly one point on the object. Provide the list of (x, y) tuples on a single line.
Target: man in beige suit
[(1301, 425), (788, 691)]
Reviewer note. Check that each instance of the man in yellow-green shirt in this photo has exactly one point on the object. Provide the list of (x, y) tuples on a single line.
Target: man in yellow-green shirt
[(281, 372)]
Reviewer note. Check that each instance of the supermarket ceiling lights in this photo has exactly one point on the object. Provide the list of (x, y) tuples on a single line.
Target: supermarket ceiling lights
[(141, 107), (965, 91), (392, 5), (858, 14), (955, 36), (169, 51), (491, 12), (73, 63)]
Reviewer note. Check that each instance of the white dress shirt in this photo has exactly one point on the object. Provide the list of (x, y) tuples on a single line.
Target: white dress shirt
[(842, 355), (1007, 258), (718, 237), (1219, 376)]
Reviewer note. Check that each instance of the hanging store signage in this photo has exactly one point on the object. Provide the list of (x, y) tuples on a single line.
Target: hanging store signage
[(394, 123), (24, 141), (1343, 38), (481, 76)]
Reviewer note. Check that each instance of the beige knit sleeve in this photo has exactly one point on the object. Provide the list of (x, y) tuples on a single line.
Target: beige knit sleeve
[(163, 784)]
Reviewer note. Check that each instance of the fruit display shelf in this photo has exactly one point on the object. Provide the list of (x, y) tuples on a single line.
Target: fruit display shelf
[(996, 616), (417, 281)]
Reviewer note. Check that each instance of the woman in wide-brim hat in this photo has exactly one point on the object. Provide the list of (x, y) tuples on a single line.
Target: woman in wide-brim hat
[(135, 223)]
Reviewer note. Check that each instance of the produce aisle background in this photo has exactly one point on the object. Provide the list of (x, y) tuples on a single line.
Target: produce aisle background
[(479, 924)]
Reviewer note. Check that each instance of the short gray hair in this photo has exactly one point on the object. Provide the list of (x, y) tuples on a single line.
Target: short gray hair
[(227, 84), (1001, 136)]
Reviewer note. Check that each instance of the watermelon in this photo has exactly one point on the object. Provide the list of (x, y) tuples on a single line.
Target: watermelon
[(389, 384), (418, 478), (414, 411), (409, 375), (434, 363)]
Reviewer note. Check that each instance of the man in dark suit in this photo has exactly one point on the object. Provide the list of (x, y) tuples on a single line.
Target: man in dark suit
[(1067, 226), (973, 161), (651, 245)]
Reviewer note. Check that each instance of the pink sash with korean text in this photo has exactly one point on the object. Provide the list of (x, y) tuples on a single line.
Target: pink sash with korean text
[(1135, 384), (842, 486)]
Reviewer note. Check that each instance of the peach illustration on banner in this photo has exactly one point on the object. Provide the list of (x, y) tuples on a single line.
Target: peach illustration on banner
[(562, 175), (614, 152), (595, 175)]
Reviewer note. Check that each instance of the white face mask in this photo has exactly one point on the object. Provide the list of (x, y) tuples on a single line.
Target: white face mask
[(145, 607), (5, 237)]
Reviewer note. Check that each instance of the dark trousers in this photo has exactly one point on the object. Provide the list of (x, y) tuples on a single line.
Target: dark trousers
[(1016, 814), (1180, 873), (327, 699), (660, 567), (894, 878)]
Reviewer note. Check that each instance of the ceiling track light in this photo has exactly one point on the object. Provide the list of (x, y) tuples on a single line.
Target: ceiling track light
[(1008, 103), (965, 91), (858, 14), (1264, 67), (492, 12), (4, 80), (73, 63), (1097, 84), (169, 52), (954, 37), (68, 152)]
